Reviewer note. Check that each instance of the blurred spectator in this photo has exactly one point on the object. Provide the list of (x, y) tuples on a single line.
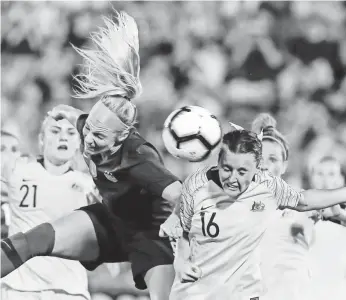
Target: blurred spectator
[(235, 58)]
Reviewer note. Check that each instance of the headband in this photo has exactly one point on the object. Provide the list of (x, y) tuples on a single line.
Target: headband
[(109, 119), (268, 137)]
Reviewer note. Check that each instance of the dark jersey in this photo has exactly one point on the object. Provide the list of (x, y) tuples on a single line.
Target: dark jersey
[(131, 181)]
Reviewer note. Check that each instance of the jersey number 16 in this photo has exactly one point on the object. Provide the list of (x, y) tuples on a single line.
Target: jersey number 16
[(26, 196), (212, 229)]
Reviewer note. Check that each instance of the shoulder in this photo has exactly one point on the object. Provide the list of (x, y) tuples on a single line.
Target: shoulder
[(21, 163), (196, 181), (263, 177), (138, 148)]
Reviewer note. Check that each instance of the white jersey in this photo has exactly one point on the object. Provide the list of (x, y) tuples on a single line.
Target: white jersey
[(224, 236), (36, 196), (285, 256), (328, 254)]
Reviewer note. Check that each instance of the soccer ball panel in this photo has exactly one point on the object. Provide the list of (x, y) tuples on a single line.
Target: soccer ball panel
[(211, 130), (192, 150), (186, 124)]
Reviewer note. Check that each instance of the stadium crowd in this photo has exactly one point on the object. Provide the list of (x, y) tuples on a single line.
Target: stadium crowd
[(234, 58)]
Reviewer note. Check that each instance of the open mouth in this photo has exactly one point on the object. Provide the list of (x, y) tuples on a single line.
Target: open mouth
[(62, 147), (231, 187)]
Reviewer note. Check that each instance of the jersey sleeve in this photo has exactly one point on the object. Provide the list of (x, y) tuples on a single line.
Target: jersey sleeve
[(186, 207), (149, 173), (285, 195), (190, 187)]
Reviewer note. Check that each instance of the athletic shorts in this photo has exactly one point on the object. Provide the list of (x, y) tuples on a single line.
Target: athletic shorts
[(119, 243)]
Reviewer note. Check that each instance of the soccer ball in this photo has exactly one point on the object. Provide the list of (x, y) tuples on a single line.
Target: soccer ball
[(191, 133)]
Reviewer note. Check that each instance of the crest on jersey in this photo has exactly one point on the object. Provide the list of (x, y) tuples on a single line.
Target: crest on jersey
[(92, 169), (257, 206), (110, 176)]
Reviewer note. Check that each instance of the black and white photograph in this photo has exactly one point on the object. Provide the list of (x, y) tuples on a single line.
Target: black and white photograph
[(173, 150)]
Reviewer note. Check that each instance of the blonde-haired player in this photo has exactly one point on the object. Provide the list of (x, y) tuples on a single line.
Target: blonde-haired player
[(285, 246), (40, 191), (138, 192)]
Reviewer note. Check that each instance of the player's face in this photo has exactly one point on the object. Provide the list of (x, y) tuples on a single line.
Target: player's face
[(9, 147), (97, 138), (272, 159), (327, 175), (60, 141), (100, 131), (236, 172)]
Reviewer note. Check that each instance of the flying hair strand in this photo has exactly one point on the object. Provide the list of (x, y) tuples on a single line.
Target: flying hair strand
[(113, 67)]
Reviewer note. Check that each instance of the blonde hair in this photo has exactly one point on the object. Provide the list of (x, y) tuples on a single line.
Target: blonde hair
[(266, 123), (124, 109), (112, 69), (44, 124)]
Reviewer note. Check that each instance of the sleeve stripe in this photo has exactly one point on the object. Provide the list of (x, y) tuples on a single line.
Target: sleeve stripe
[(285, 195), (190, 187)]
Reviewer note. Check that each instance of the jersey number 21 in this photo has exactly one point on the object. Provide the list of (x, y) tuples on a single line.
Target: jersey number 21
[(28, 200)]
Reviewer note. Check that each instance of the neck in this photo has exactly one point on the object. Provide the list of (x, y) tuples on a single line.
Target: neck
[(56, 169), (110, 151)]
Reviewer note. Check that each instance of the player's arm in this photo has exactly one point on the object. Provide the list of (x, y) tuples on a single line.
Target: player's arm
[(154, 177), (288, 197), (186, 271), (319, 199)]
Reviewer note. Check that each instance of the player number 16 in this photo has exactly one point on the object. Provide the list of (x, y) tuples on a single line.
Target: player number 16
[(212, 229)]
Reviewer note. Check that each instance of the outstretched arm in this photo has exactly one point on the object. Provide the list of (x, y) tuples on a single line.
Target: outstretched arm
[(288, 197), (319, 199)]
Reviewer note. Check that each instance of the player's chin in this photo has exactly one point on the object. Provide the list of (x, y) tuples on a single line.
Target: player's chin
[(64, 156), (233, 192), (90, 151)]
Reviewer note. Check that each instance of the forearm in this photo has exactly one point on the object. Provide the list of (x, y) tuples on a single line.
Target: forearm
[(183, 247), (319, 199)]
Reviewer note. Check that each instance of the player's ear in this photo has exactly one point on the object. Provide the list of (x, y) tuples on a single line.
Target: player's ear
[(123, 135)]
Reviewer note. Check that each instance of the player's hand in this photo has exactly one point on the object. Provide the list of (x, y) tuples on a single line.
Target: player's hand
[(67, 112), (171, 227), (187, 271)]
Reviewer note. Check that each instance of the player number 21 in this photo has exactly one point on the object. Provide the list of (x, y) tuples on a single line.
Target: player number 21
[(212, 229), (26, 189)]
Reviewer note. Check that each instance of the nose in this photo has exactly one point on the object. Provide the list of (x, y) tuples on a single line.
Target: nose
[(88, 139), (264, 166), (63, 136), (232, 177)]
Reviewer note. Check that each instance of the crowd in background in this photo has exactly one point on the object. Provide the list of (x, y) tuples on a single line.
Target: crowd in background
[(234, 58)]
